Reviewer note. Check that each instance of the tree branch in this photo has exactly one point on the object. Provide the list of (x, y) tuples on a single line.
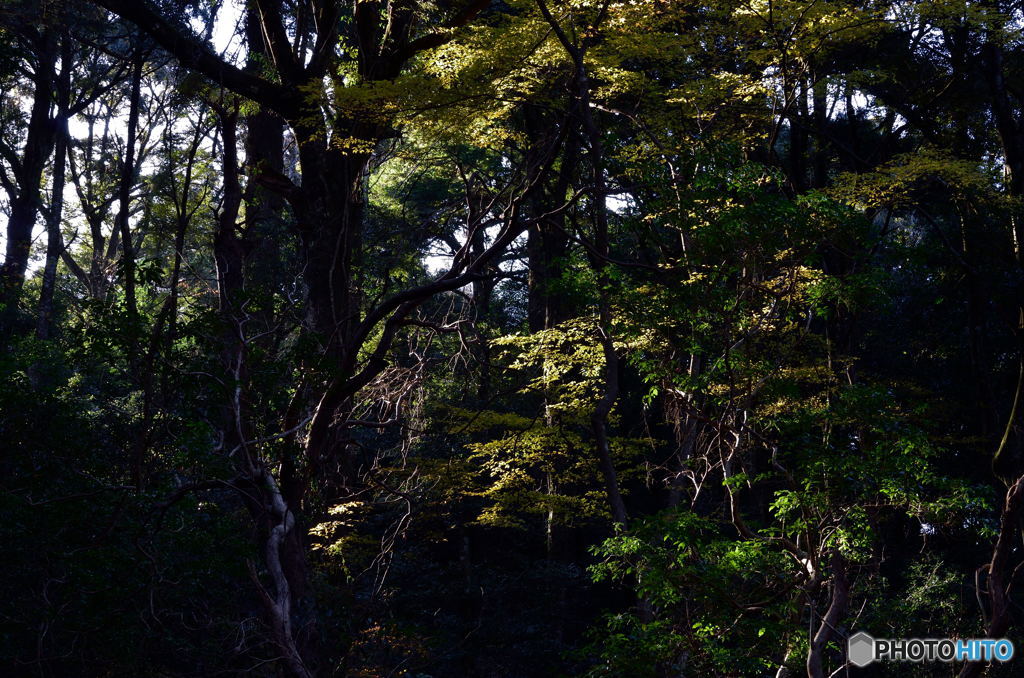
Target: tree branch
[(431, 40), (198, 56)]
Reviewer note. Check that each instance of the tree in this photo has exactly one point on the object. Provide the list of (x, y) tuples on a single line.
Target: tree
[(510, 338)]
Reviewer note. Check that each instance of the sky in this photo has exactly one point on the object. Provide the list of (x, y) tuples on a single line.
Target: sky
[(225, 40)]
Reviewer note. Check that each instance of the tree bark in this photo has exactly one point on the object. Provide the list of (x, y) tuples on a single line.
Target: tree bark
[(285, 610), (25, 205), (128, 173), (839, 600), (54, 238), (547, 241)]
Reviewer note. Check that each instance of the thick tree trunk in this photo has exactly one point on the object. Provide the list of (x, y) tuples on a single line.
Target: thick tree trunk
[(798, 119), (547, 241), (287, 610), (1000, 574), (264, 157), (329, 215), (25, 205), (329, 212), (544, 245)]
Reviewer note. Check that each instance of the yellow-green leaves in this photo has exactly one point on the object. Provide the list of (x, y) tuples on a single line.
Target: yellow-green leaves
[(565, 363), (899, 182)]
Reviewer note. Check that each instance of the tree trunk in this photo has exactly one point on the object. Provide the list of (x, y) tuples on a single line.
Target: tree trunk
[(54, 238), (547, 241), (798, 117), (819, 167), (838, 602), (286, 609), (25, 205), (128, 172)]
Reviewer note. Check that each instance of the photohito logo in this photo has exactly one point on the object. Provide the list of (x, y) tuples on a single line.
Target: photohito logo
[(862, 649)]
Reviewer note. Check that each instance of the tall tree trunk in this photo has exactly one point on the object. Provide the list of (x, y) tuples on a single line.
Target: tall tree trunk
[(54, 238), (798, 119), (264, 158), (547, 241), (128, 172), (284, 600), (330, 221), (25, 205), (599, 418), (266, 234)]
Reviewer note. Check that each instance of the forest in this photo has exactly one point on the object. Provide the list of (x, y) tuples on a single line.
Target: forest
[(509, 338)]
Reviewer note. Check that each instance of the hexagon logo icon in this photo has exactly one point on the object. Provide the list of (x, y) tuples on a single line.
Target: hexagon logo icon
[(860, 649)]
